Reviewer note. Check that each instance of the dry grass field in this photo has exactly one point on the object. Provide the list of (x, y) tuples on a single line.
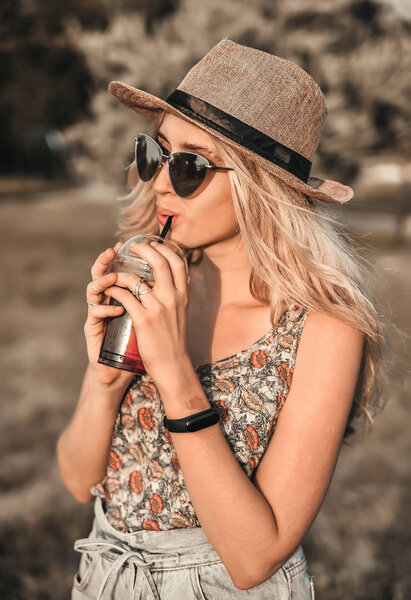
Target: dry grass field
[(358, 544)]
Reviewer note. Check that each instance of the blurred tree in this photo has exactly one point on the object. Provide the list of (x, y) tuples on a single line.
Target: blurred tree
[(45, 82), (153, 11), (359, 52)]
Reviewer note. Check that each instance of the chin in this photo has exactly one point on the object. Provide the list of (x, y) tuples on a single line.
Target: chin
[(178, 240)]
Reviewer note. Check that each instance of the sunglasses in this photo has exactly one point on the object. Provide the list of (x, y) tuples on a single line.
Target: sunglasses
[(186, 170)]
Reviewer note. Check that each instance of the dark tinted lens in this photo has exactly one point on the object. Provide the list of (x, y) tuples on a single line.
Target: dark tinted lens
[(187, 172), (148, 156)]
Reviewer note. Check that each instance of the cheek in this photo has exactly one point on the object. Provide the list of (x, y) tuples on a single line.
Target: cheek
[(224, 218), (211, 218)]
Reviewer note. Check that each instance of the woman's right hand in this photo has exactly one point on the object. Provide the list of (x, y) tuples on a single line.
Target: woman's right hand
[(95, 325)]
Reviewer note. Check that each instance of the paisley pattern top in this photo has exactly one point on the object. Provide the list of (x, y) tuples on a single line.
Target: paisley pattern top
[(144, 487)]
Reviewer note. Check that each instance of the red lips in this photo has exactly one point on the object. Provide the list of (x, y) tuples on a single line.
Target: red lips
[(163, 214), (163, 219)]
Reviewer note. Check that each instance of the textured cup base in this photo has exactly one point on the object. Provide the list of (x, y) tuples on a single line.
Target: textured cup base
[(121, 362)]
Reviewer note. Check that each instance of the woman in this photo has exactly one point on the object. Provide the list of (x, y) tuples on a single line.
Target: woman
[(220, 512)]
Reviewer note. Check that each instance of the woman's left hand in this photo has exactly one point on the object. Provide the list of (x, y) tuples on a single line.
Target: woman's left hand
[(159, 317)]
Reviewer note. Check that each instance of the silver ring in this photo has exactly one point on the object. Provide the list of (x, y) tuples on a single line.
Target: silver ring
[(137, 292), (94, 287), (92, 303)]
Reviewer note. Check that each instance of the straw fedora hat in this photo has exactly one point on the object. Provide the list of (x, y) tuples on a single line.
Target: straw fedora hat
[(255, 101)]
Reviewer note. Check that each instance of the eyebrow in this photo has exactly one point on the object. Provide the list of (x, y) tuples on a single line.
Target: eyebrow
[(192, 146)]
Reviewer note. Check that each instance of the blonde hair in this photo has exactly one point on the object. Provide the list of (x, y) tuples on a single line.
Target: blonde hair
[(298, 254)]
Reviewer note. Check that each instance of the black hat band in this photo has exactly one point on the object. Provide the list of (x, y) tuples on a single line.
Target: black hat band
[(240, 132)]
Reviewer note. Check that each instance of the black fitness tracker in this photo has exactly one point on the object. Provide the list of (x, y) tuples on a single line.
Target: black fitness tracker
[(195, 422)]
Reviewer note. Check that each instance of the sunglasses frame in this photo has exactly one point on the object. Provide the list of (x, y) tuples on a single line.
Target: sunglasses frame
[(165, 158)]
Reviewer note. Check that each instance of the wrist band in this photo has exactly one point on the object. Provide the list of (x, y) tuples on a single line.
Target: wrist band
[(195, 422)]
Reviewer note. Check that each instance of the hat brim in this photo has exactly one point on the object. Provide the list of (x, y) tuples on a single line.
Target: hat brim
[(150, 106)]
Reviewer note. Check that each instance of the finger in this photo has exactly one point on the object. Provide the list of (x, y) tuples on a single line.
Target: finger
[(103, 260), (103, 311), (130, 280), (159, 264), (178, 266), (134, 308), (96, 288)]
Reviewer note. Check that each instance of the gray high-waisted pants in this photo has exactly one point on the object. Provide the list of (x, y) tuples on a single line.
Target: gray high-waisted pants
[(180, 564)]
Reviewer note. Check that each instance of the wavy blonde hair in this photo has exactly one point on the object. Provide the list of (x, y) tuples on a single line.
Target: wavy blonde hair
[(298, 253)]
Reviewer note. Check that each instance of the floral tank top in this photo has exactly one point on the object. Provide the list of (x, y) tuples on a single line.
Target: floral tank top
[(144, 486)]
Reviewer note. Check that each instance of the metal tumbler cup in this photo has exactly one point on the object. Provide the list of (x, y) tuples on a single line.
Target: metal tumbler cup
[(119, 348)]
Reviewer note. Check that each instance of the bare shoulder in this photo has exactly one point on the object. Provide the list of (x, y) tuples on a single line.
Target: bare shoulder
[(327, 361), (322, 329)]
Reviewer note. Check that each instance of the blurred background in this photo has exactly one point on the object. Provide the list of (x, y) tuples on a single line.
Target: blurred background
[(64, 146)]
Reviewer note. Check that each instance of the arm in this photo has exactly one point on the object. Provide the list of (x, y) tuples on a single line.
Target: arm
[(255, 528), (235, 516), (296, 470), (83, 447)]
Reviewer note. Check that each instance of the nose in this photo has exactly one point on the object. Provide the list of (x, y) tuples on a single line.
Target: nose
[(162, 183)]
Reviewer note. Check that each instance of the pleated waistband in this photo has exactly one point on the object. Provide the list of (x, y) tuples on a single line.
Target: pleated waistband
[(161, 548)]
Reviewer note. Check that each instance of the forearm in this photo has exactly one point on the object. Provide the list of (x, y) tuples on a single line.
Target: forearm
[(83, 447), (235, 516)]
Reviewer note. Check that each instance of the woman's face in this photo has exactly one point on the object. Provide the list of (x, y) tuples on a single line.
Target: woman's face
[(207, 217)]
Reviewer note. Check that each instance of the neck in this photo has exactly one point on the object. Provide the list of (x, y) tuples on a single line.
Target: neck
[(225, 268)]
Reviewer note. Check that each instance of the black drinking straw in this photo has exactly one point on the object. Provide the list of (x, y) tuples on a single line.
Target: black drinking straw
[(166, 228)]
